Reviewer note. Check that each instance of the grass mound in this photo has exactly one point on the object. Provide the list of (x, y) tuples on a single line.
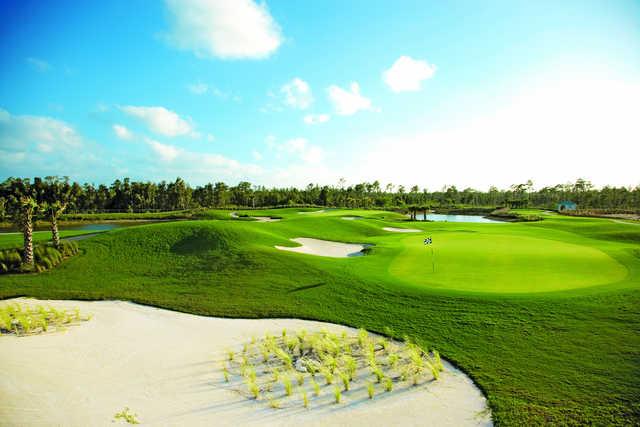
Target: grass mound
[(27, 320), (297, 368)]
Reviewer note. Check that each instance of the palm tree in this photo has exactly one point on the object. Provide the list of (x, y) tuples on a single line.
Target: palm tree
[(27, 207), (55, 198), (21, 206)]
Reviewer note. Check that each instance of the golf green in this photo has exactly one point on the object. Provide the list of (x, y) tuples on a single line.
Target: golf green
[(475, 261)]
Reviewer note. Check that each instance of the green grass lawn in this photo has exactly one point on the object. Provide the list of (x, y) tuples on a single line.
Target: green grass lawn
[(544, 316), (15, 240)]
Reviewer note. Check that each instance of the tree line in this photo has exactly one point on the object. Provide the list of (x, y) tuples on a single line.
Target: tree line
[(23, 199)]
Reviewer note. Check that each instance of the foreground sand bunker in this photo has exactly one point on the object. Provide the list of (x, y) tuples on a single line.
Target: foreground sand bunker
[(325, 248), (165, 366)]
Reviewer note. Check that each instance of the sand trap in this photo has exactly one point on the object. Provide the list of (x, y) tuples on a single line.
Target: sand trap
[(265, 219), (402, 230), (313, 212), (351, 218), (165, 366), (257, 218), (325, 248)]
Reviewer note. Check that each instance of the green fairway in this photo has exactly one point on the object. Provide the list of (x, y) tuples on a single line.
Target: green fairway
[(474, 260), (543, 316)]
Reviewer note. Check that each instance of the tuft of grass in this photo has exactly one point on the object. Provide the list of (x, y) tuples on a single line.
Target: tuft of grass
[(254, 390), (127, 416), (316, 387), (305, 399), (274, 403), (337, 394), (288, 386), (371, 390), (345, 380), (300, 378), (388, 384)]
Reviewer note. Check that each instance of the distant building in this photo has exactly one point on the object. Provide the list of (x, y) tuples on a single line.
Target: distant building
[(566, 205)]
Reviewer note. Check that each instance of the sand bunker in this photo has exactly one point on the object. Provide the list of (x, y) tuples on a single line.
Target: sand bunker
[(351, 218), (402, 230), (257, 218), (325, 248), (313, 212), (166, 367)]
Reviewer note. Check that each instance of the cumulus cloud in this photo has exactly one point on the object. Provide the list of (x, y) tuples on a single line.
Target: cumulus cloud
[(297, 94), (197, 166), (238, 29), (348, 102), (314, 119), (407, 74), (161, 121), (41, 143), (198, 88), (299, 148), (578, 128), (165, 152), (38, 64), (122, 132)]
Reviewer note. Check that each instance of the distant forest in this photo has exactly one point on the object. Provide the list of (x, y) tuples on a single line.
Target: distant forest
[(133, 196)]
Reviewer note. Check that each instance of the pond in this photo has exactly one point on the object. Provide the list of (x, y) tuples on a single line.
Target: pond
[(456, 218), (96, 226)]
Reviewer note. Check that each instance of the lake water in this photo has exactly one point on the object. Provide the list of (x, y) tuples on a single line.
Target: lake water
[(456, 218), (97, 226)]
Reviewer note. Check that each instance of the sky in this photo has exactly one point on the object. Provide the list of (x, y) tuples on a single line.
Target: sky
[(283, 93)]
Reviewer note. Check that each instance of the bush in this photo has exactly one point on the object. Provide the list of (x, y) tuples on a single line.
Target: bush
[(45, 258)]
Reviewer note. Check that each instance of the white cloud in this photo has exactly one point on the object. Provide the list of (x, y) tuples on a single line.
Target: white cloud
[(407, 74), (161, 121), (43, 144), (38, 64), (211, 137), (197, 166), (238, 29), (552, 132), (314, 119), (22, 133), (122, 132), (297, 94), (257, 156), (300, 148), (348, 102), (166, 152), (198, 88)]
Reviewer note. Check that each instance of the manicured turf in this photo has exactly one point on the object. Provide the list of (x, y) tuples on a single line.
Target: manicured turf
[(15, 240), (544, 316)]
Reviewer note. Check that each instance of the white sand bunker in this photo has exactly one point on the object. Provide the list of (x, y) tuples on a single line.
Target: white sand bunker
[(313, 212), (257, 218), (325, 248), (351, 218), (402, 230), (166, 367)]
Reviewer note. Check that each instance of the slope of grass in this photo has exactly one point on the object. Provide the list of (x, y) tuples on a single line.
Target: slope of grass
[(562, 357)]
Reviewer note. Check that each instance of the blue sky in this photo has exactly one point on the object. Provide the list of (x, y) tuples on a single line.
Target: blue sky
[(287, 93)]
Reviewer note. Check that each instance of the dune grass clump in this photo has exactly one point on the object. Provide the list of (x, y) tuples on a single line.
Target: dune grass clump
[(27, 320), (127, 416), (291, 368)]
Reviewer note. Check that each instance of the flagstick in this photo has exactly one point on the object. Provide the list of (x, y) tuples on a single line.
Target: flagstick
[(433, 263)]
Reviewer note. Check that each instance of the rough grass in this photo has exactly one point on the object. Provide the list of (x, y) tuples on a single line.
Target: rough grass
[(550, 357)]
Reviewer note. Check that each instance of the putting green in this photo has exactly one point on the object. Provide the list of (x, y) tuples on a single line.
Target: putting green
[(503, 263)]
